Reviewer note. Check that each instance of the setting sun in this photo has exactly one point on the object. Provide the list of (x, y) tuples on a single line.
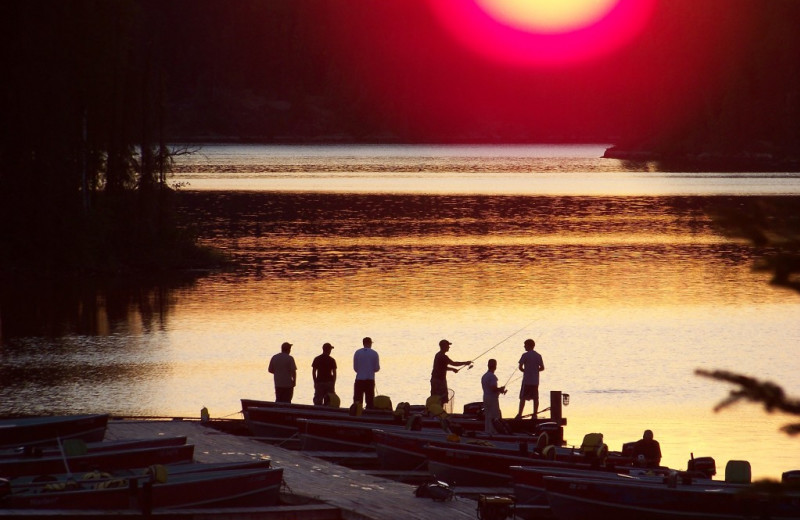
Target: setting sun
[(548, 16), (543, 32)]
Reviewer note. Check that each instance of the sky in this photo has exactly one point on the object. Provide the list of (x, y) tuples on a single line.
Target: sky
[(569, 68)]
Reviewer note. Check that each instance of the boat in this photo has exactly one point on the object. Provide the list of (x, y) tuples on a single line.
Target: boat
[(141, 474), (49, 430), (259, 403), (403, 449), (326, 435), (275, 422), (400, 452), (528, 481), (461, 467), (224, 488), (78, 447), (104, 460), (572, 498), (487, 466), (278, 421), (283, 423)]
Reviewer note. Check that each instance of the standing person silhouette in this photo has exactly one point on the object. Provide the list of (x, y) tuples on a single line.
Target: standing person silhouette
[(323, 371), (441, 364), (491, 397), (284, 370), (366, 363), (530, 364)]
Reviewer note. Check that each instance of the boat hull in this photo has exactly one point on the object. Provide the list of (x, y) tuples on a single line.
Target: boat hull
[(103, 461), (574, 499), (240, 488), (49, 430), (74, 447)]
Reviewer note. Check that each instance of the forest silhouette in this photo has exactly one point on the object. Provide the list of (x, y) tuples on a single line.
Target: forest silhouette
[(96, 91)]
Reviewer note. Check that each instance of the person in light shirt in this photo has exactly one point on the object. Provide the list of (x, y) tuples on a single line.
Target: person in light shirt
[(284, 370), (366, 363), (491, 397), (530, 364)]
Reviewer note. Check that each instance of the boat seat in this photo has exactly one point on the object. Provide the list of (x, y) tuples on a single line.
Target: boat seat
[(542, 441), (382, 402), (591, 443), (333, 400), (433, 405), (737, 472)]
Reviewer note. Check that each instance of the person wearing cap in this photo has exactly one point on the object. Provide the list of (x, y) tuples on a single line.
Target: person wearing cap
[(323, 370), (441, 364), (284, 370), (530, 364), (366, 363)]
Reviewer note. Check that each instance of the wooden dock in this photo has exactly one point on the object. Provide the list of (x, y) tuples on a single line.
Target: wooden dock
[(314, 489)]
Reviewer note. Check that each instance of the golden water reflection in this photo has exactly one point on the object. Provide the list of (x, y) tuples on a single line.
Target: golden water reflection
[(625, 296)]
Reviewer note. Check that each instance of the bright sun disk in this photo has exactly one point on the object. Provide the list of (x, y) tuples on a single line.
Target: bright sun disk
[(547, 16), (543, 32)]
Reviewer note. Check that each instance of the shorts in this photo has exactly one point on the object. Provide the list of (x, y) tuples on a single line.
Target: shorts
[(439, 387), (529, 392)]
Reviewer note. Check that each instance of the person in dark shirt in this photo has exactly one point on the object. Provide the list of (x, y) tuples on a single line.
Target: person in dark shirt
[(647, 450), (323, 370), (441, 364)]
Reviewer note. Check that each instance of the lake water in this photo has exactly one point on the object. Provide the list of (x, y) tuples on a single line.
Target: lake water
[(615, 269)]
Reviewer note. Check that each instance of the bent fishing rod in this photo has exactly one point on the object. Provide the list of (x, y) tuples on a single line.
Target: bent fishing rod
[(471, 361)]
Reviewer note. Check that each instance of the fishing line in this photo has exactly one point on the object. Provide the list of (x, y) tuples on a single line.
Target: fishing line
[(519, 376), (503, 341), (509, 381)]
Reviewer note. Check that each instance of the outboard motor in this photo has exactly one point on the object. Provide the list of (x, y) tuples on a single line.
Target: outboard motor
[(791, 477), (705, 466), (475, 409)]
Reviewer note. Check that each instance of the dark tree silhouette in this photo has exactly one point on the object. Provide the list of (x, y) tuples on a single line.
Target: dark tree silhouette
[(772, 224), (751, 389), (83, 158)]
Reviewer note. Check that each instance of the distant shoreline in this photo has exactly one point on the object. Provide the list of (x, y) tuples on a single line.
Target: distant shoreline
[(707, 161)]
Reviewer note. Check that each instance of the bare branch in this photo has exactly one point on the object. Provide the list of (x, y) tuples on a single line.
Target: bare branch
[(767, 393)]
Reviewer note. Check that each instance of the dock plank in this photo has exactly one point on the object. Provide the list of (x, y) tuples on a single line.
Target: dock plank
[(358, 495)]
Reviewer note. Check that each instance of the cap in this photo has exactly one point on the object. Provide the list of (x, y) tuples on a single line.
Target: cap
[(327, 345), (444, 343), (530, 342), (286, 344)]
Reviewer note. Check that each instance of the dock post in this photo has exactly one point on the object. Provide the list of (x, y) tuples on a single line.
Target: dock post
[(555, 406)]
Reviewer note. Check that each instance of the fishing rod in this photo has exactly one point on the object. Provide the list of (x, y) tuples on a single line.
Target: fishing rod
[(508, 381), (530, 415), (501, 342), (519, 376), (515, 372)]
